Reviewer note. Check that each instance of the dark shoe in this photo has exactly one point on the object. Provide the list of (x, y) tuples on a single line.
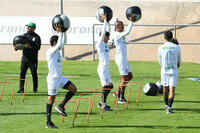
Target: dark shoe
[(107, 108), (100, 104), (20, 91), (114, 95), (169, 110), (50, 125), (61, 110), (166, 106), (120, 100), (34, 90)]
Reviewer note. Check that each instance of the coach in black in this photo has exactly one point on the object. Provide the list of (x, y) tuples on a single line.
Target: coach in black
[(30, 57)]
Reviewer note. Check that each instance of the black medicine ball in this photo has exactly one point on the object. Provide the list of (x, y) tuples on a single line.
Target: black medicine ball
[(20, 41), (62, 20), (150, 89), (104, 10), (135, 10), (160, 86)]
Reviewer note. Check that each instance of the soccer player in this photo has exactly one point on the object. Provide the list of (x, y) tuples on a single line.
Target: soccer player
[(170, 60), (103, 70), (121, 55), (54, 78)]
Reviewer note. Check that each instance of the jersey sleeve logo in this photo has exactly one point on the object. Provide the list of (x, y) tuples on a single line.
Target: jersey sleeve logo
[(59, 60)]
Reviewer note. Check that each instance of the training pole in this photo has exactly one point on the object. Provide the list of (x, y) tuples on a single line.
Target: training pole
[(61, 12)]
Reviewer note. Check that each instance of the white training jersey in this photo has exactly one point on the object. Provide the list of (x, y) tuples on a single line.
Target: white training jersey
[(169, 58), (102, 47), (54, 59), (120, 42)]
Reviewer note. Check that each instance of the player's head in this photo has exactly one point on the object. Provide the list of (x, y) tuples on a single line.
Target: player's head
[(119, 26), (53, 40), (168, 36), (31, 27), (106, 37)]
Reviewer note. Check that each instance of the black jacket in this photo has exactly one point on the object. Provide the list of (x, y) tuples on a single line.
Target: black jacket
[(35, 42)]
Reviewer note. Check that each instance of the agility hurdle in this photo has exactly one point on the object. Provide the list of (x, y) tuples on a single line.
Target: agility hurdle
[(24, 88), (4, 87), (75, 115), (138, 91), (128, 92), (65, 105), (115, 102)]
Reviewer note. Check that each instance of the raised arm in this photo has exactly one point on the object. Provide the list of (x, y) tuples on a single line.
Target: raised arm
[(160, 56), (179, 57), (108, 27), (61, 38), (128, 29), (101, 38), (64, 39)]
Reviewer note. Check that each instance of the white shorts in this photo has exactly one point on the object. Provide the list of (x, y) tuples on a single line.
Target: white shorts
[(169, 79), (104, 75), (124, 68), (54, 84)]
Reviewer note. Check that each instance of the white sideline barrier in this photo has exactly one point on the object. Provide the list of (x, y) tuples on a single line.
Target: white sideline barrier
[(80, 31)]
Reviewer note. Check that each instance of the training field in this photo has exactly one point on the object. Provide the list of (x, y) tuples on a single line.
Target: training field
[(149, 116)]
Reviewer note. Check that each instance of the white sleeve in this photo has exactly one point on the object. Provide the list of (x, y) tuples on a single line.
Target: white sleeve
[(126, 31), (179, 56), (64, 39), (160, 56), (59, 44), (108, 27), (101, 38)]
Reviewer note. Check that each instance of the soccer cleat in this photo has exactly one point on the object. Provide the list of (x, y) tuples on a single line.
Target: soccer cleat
[(50, 125), (169, 110), (114, 95), (120, 100), (61, 110), (34, 90), (107, 108), (20, 91), (166, 106), (100, 104)]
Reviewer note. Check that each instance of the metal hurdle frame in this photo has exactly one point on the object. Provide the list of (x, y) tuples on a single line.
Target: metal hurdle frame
[(64, 106), (115, 102), (75, 115), (24, 88), (93, 99), (138, 91), (128, 92), (4, 87)]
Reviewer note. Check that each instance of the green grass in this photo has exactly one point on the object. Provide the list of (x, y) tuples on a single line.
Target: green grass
[(149, 116)]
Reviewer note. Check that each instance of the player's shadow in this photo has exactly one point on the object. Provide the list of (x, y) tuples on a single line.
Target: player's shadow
[(31, 113), (128, 126), (187, 109), (188, 127), (174, 109), (179, 101)]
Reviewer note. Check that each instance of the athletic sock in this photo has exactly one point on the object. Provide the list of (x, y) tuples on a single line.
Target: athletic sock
[(104, 105), (119, 92), (68, 96), (49, 109), (171, 102), (166, 100), (122, 95), (105, 93)]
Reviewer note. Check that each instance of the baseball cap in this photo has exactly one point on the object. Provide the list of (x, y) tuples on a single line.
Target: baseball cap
[(31, 24)]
